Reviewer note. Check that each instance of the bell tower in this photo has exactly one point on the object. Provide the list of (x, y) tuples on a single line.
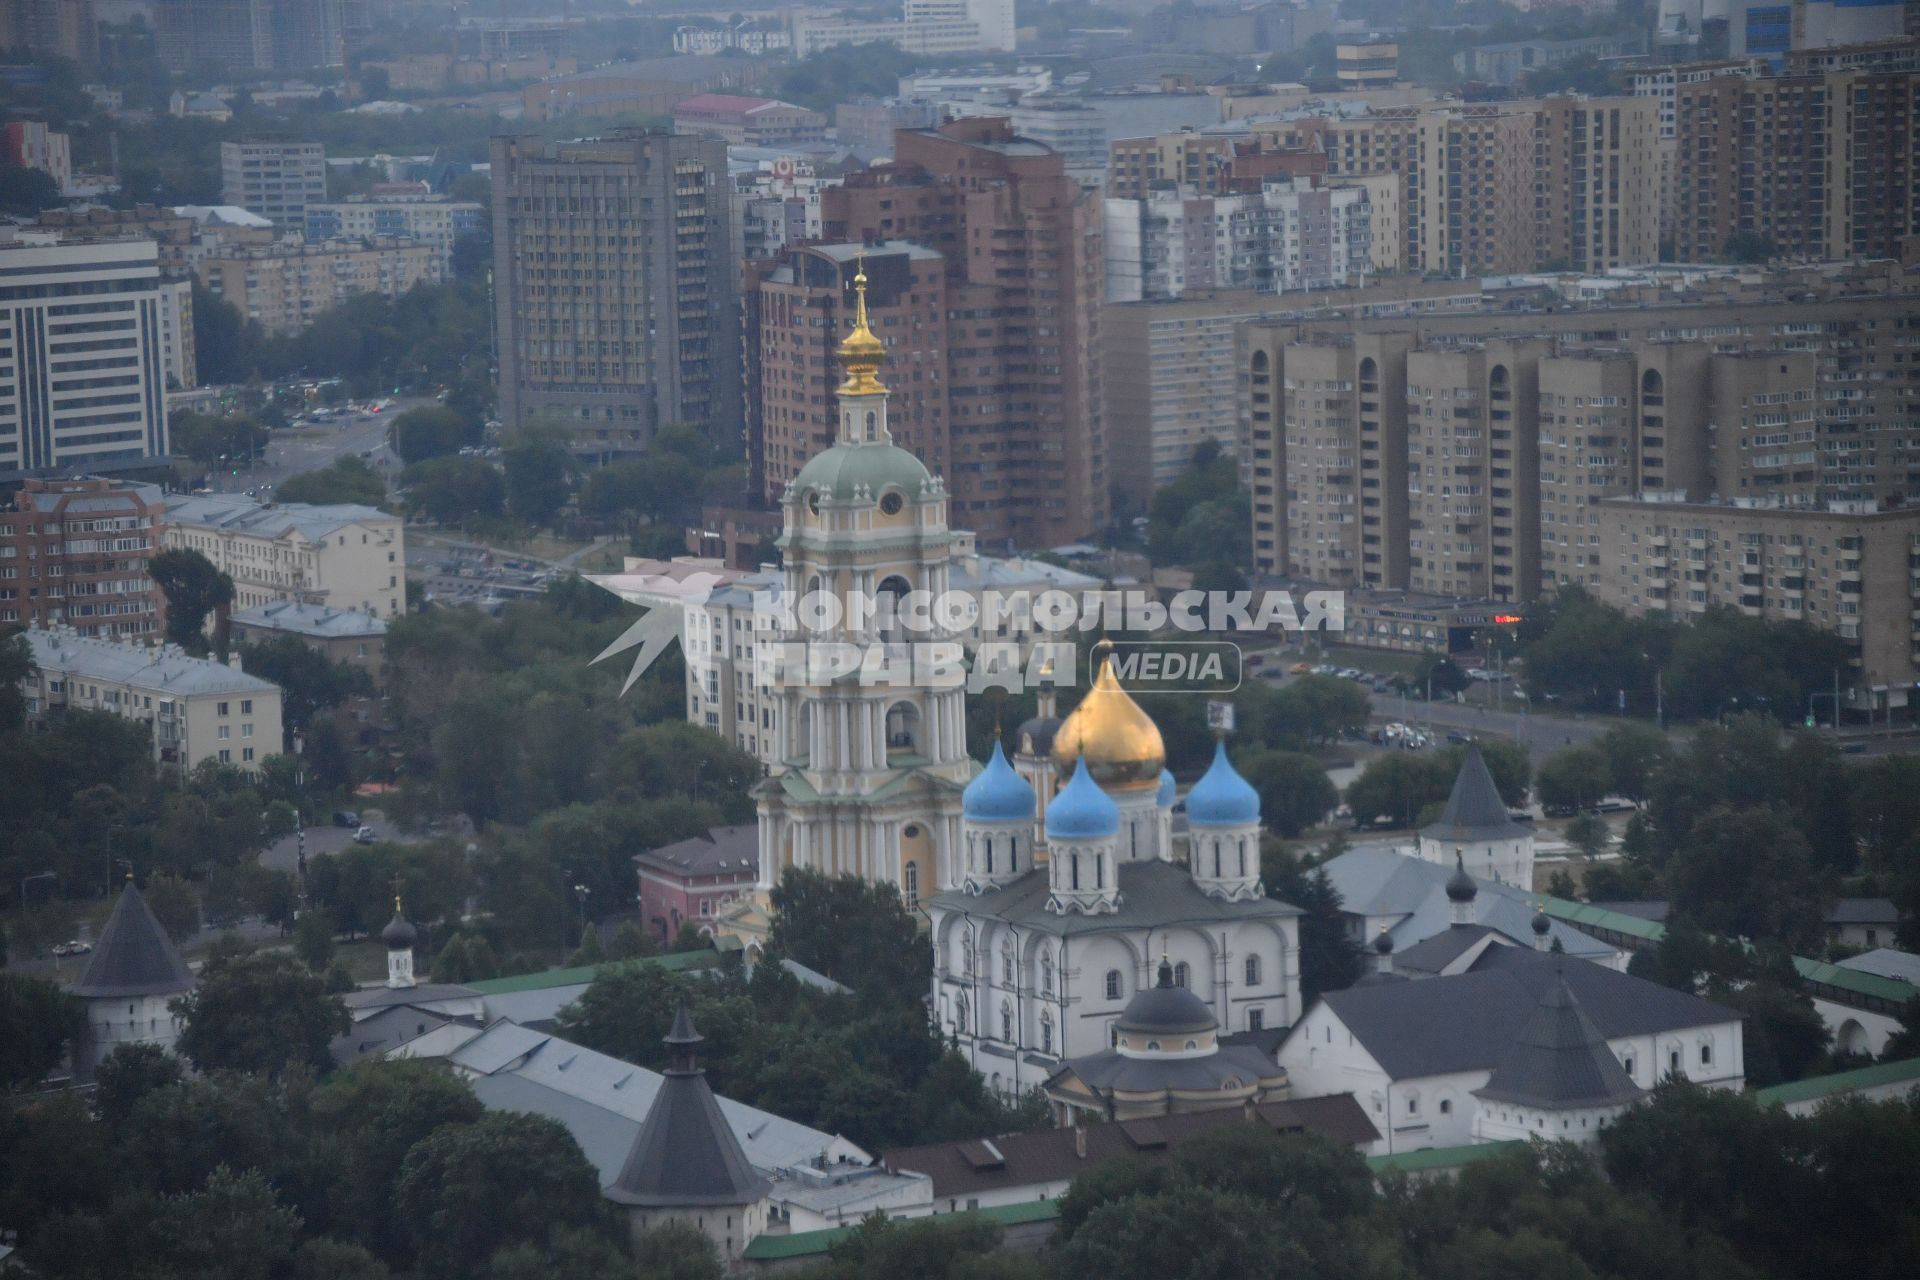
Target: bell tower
[(872, 758)]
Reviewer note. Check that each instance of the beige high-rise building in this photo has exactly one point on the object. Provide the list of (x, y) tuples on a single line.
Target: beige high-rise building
[(1521, 424), (287, 285), (1470, 199), (1848, 572), (1601, 174)]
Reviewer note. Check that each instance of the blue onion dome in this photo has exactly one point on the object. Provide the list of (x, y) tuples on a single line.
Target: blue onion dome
[(1166, 795), (1222, 798), (998, 794), (1082, 811)]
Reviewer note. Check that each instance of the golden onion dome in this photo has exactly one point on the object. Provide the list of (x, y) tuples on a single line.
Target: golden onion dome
[(1121, 744), (861, 351)]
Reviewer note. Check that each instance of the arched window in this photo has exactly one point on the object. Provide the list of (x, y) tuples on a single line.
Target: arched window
[(1253, 971), (1243, 856), (966, 956), (1073, 869), (1006, 1021), (1113, 984), (910, 882), (1046, 1031), (1192, 1045), (1046, 972), (960, 1014), (1446, 1106), (1216, 858), (1153, 1046), (989, 855), (1180, 972), (872, 418), (1006, 961)]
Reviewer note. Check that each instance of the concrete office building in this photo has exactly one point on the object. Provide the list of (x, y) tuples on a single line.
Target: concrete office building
[(75, 552), (344, 556), (615, 288), (276, 178), (197, 708), (1021, 241), (287, 285), (82, 369)]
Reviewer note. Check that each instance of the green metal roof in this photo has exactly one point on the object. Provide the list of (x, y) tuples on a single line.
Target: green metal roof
[(1430, 1158), (1880, 1073), (1578, 913), (802, 1244), (1854, 980), (546, 978)]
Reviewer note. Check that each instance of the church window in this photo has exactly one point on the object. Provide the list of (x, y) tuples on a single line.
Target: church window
[(1099, 871), (1006, 1021), (1073, 867), (1413, 1106), (1046, 972), (960, 1014), (1113, 984), (891, 504), (910, 881), (1706, 1055), (1243, 857), (1006, 961), (1446, 1106), (966, 956), (1216, 859), (871, 419), (1256, 1019), (1253, 971), (1046, 1031), (1153, 1046), (989, 855), (1180, 972), (1627, 1062), (1192, 1045), (1673, 1061)]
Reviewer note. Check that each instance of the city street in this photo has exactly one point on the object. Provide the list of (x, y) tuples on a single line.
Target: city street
[(292, 450)]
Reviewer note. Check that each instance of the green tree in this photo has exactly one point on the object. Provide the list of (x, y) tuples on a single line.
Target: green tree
[(1187, 1233), (1588, 833), (432, 431), (261, 1012), (1573, 779), (1750, 874), (537, 466), (309, 681), (37, 1022), (313, 939), (453, 491), (469, 1190), (860, 933), (1636, 753), (345, 480), (1329, 958), (194, 589), (1295, 792), (16, 664), (129, 1073)]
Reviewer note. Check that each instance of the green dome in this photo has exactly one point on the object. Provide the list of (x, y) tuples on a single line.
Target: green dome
[(862, 471)]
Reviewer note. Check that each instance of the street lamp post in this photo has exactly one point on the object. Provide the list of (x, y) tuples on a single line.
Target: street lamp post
[(27, 880)]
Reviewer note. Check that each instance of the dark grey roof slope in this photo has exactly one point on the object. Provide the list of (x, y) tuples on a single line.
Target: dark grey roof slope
[(1111, 1071), (1560, 1060), (1475, 810), (1468, 1021), (731, 851), (1433, 955), (686, 1153), (1153, 894), (1166, 1009), (134, 956)]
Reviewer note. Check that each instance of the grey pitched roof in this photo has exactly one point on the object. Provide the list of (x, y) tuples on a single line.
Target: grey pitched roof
[(134, 956), (242, 514), (717, 851), (1560, 1060), (1111, 1070), (1475, 810), (1379, 881), (1153, 894), (1468, 1021), (1887, 962), (161, 670), (319, 620), (1433, 955), (686, 1153)]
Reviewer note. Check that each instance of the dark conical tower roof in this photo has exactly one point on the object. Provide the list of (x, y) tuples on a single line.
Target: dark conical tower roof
[(686, 1153), (1475, 810), (134, 956), (1560, 1061)]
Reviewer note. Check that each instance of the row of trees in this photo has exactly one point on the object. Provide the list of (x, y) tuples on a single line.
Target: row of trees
[(1722, 663)]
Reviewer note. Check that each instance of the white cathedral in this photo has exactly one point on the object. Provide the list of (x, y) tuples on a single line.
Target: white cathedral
[(1053, 885)]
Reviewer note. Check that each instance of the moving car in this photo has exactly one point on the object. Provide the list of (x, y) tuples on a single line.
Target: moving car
[(363, 836), (73, 948)]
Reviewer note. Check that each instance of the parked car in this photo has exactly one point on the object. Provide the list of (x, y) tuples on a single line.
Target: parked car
[(1299, 668), (363, 836), (1458, 738), (346, 818), (73, 948)]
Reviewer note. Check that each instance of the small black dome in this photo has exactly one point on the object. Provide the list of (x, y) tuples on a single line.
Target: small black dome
[(1164, 1009), (1382, 944), (1460, 885), (1035, 736), (1541, 924), (398, 932)]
